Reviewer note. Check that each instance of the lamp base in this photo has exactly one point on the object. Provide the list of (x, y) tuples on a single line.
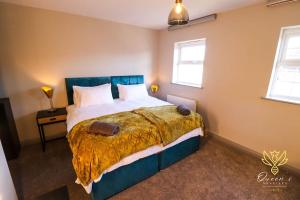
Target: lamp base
[(52, 109)]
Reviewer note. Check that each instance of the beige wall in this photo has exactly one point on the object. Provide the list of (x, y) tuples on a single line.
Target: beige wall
[(43, 47), (241, 47), (40, 47), (1, 72)]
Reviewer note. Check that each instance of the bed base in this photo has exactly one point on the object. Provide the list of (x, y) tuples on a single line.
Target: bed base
[(124, 177), (129, 175), (178, 152)]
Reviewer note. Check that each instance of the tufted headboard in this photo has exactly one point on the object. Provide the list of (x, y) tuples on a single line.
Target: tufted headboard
[(94, 81)]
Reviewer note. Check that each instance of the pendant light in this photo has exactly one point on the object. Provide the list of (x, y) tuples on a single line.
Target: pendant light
[(178, 14)]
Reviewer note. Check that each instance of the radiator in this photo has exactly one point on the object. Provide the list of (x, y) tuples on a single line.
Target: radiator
[(191, 104)]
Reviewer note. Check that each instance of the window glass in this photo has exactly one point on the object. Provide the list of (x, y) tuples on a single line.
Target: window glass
[(189, 62), (285, 81)]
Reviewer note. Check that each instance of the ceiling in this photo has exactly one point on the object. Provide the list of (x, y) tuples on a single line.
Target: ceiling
[(145, 13)]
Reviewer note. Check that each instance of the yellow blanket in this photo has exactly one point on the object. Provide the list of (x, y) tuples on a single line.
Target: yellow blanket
[(171, 125), (139, 130)]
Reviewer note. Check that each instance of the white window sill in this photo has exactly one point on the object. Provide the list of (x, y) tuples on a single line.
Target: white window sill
[(281, 100), (189, 85)]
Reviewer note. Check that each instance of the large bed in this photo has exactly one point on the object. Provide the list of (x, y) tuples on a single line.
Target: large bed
[(140, 165)]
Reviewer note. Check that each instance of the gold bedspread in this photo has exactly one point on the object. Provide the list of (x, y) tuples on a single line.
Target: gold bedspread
[(139, 130)]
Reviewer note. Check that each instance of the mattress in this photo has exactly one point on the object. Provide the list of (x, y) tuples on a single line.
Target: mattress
[(76, 115)]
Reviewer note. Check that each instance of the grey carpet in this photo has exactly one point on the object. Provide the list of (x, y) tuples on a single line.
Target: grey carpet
[(215, 172)]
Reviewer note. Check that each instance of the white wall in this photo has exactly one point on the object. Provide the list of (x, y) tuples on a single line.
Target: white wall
[(7, 189)]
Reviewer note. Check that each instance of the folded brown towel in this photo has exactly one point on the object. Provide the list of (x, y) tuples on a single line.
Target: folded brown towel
[(105, 129), (183, 110)]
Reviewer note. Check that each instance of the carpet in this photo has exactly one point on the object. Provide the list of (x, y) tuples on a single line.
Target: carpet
[(58, 194), (215, 172)]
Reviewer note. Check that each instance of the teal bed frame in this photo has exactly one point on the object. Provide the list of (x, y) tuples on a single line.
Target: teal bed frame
[(126, 176)]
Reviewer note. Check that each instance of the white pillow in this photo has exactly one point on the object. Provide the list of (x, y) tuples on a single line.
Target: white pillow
[(131, 92), (87, 96)]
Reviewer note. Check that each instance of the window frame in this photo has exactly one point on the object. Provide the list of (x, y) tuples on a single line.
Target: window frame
[(285, 34), (177, 61)]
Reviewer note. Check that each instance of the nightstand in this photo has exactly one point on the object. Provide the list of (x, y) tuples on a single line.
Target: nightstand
[(44, 117)]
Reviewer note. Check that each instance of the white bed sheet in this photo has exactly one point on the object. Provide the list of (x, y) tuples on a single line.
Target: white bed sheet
[(76, 115)]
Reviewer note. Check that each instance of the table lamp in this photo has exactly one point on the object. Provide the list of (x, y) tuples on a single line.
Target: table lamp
[(49, 93), (154, 88)]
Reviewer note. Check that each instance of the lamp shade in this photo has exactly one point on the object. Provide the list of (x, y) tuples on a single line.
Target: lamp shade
[(154, 88), (48, 91), (178, 15)]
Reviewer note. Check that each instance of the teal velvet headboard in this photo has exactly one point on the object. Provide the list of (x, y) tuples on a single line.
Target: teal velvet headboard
[(94, 81)]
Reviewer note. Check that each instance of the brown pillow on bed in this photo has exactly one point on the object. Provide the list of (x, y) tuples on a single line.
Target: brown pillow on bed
[(183, 110), (104, 129)]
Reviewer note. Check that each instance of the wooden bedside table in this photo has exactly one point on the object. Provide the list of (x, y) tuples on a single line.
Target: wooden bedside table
[(44, 117)]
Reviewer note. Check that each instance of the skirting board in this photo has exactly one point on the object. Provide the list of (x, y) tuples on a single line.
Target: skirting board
[(244, 149)]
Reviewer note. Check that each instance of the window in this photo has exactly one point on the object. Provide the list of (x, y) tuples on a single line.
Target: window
[(285, 80), (188, 63)]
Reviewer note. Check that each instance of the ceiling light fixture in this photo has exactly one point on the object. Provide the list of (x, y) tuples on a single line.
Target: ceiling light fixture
[(178, 15)]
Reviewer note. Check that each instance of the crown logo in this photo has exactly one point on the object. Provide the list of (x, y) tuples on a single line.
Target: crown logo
[(274, 159)]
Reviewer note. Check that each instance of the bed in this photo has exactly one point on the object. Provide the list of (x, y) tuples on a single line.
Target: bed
[(140, 165)]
